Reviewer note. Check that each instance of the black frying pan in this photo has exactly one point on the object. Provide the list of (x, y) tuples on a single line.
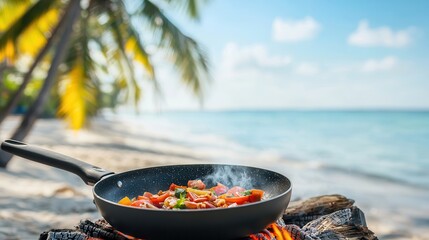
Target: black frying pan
[(224, 223)]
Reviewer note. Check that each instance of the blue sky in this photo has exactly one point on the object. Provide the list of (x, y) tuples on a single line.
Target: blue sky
[(308, 54)]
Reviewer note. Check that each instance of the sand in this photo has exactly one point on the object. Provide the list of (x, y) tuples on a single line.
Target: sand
[(35, 198)]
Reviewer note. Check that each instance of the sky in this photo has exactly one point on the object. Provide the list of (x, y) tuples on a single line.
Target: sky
[(306, 55)]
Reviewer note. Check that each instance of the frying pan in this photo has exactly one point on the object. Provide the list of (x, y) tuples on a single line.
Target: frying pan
[(221, 223)]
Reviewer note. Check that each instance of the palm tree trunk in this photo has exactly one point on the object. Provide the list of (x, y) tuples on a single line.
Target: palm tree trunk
[(3, 67), (36, 108), (14, 99)]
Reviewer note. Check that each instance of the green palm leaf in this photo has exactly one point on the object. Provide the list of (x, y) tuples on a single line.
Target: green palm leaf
[(189, 59), (191, 6), (33, 13), (78, 88), (117, 29)]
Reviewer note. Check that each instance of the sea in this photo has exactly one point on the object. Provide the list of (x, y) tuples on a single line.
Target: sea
[(391, 145)]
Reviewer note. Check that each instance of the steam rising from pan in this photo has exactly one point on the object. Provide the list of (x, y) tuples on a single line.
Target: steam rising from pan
[(229, 176)]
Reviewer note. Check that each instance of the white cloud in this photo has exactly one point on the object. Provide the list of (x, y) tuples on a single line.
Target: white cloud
[(294, 31), (364, 36), (374, 65), (307, 69), (234, 57)]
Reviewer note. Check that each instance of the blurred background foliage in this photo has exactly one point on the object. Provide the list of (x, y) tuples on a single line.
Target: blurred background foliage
[(104, 43), (70, 59)]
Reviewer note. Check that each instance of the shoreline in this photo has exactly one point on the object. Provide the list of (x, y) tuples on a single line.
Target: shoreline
[(36, 198)]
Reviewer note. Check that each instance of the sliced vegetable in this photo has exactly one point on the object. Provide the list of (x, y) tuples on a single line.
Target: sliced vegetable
[(220, 189), (256, 195), (138, 203), (209, 205), (236, 191), (192, 196), (191, 205), (197, 184), (161, 198), (199, 192), (201, 199), (125, 201), (174, 186), (195, 196), (238, 200)]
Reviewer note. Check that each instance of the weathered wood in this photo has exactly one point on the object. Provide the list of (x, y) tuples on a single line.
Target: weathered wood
[(100, 229), (321, 205), (342, 224), (63, 234), (304, 211), (349, 232)]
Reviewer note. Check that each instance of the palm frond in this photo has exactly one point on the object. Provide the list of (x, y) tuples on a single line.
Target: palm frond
[(75, 97), (10, 11), (34, 37), (135, 48), (9, 37), (189, 59), (192, 7), (78, 89), (117, 28)]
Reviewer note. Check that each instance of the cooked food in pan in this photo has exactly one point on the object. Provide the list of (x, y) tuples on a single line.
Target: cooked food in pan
[(195, 196)]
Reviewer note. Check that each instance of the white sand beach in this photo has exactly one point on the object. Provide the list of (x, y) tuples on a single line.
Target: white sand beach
[(34, 198)]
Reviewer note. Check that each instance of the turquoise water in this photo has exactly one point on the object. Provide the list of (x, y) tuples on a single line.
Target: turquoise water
[(392, 145)]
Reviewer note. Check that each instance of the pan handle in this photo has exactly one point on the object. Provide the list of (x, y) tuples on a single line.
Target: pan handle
[(90, 174)]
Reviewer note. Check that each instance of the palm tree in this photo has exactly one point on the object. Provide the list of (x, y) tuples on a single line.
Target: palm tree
[(13, 100), (73, 46)]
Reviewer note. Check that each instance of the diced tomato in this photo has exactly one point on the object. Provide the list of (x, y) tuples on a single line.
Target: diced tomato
[(143, 203), (198, 184), (256, 195), (220, 189), (138, 203), (146, 195), (161, 198), (238, 200), (174, 186), (236, 191), (142, 198)]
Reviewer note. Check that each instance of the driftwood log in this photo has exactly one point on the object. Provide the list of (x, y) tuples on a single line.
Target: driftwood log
[(315, 210), (318, 218), (304, 211)]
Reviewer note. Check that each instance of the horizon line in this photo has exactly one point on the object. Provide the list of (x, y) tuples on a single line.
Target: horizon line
[(305, 109)]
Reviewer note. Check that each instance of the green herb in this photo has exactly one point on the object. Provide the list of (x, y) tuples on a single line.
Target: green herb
[(247, 193), (179, 192), (181, 202)]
